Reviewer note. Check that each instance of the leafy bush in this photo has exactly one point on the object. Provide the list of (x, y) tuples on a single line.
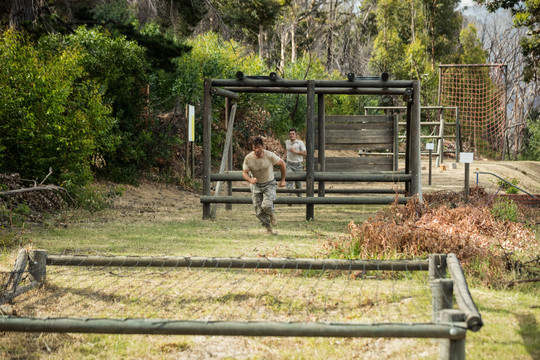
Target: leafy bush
[(93, 197), (531, 138), (52, 115), (505, 210), (509, 189)]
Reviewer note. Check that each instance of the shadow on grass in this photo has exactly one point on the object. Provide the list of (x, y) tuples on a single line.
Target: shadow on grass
[(530, 332)]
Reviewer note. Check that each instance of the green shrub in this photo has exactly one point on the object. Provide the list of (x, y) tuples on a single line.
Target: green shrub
[(52, 115), (93, 197), (531, 138), (505, 210), (509, 189)]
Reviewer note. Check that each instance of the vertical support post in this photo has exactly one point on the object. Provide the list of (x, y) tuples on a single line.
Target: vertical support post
[(416, 179), (443, 292), (466, 183), (207, 133), (430, 157), (310, 137), (37, 264), (187, 142), (395, 142), (229, 165), (193, 159), (439, 87), (440, 141), (452, 349), (437, 266), (321, 141), (505, 107), (408, 145), (458, 134)]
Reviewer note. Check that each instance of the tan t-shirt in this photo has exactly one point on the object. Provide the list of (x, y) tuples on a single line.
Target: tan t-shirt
[(263, 168)]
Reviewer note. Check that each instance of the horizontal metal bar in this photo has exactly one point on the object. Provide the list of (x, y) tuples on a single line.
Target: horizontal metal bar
[(503, 180), (231, 328), (404, 107), (235, 263), (369, 177), (323, 176), (330, 191), (357, 83), (471, 65), (226, 93), (343, 200), (302, 90)]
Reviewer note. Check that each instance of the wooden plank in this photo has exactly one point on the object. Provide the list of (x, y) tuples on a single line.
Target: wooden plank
[(359, 167), (367, 133), (379, 163), (359, 146), (351, 139), (344, 161), (357, 126), (357, 118)]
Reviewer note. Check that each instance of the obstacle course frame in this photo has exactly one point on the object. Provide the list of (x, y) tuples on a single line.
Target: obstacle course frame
[(231, 88)]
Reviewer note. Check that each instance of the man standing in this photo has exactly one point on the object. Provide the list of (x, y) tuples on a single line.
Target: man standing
[(296, 150), (260, 163)]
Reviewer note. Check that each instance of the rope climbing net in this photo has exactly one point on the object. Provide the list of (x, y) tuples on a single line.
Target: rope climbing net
[(479, 92)]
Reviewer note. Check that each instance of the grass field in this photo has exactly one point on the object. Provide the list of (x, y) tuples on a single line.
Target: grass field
[(160, 220)]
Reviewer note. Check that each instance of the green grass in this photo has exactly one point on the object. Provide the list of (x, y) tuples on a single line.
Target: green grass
[(234, 233), (511, 317)]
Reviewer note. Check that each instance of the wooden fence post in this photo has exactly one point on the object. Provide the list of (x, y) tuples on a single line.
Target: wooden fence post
[(452, 349), (37, 264)]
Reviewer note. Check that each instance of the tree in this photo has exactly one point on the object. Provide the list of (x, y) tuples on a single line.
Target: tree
[(254, 17), (502, 43), (390, 43), (472, 51), (526, 15), (443, 23)]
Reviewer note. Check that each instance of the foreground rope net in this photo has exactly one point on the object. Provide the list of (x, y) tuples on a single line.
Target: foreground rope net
[(479, 92), (281, 297), (243, 291)]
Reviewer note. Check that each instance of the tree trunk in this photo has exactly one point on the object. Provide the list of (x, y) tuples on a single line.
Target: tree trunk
[(23, 11), (293, 42), (329, 38), (261, 41), (284, 40)]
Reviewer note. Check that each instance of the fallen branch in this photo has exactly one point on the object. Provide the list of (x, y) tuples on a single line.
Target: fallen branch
[(7, 297), (513, 282)]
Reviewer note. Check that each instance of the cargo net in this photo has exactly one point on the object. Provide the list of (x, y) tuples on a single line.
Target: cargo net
[(479, 93), (211, 290)]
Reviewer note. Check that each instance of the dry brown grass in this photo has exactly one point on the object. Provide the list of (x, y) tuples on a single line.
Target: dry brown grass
[(442, 224)]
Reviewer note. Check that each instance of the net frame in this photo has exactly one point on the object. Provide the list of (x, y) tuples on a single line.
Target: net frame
[(480, 93)]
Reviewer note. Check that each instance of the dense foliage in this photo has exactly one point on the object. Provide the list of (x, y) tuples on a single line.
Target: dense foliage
[(52, 114), (101, 88)]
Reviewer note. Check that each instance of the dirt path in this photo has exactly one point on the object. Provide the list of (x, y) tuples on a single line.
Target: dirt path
[(162, 201), (526, 172)]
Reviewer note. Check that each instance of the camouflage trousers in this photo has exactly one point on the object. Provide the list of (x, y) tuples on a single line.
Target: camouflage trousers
[(263, 196), (293, 167)]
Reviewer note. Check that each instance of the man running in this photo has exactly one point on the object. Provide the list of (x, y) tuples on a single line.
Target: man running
[(296, 150), (260, 163)]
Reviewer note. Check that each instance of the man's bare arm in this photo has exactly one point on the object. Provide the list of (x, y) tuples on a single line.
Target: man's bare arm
[(249, 179)]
